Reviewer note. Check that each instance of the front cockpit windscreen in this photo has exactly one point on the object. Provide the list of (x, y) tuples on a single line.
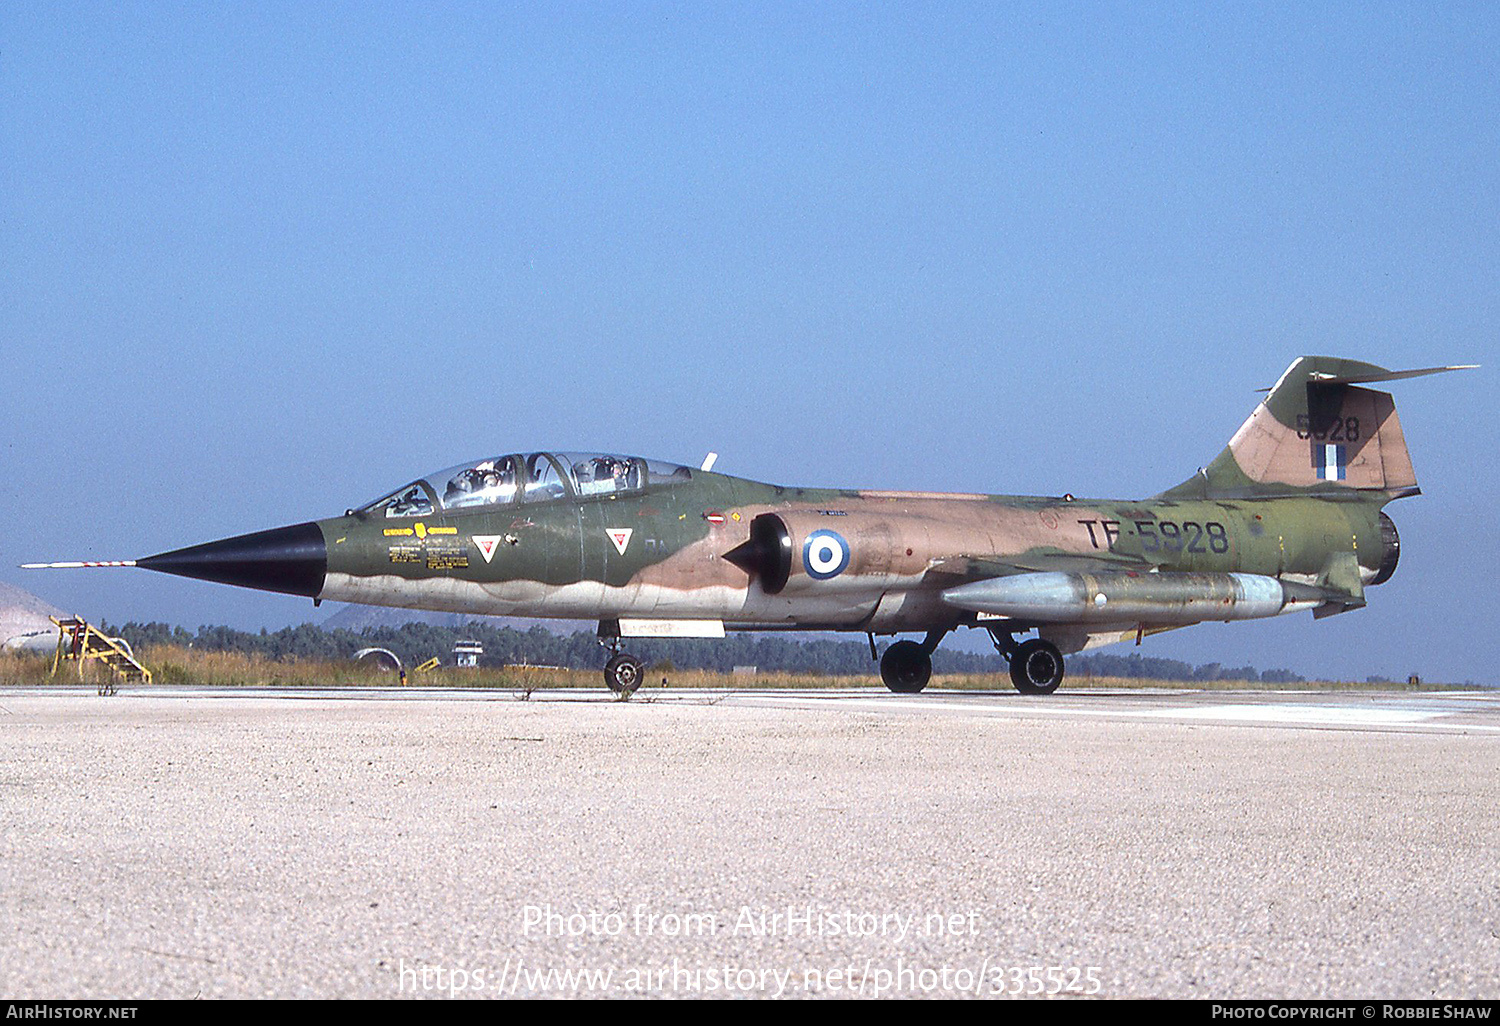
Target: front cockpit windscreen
[(537, 477), (410, 501)]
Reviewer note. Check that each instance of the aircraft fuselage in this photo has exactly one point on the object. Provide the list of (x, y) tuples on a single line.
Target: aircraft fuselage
[(662, 553)]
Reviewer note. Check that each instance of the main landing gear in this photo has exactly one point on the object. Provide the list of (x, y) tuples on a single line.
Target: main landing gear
[(906, 666), (1036, 666)]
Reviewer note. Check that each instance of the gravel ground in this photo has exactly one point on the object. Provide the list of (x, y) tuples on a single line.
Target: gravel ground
[(213, 845)]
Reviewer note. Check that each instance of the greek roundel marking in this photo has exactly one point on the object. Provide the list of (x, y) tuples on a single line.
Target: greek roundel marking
[(825, 554)]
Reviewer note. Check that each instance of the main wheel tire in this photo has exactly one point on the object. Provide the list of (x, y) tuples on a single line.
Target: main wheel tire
[(906, 667), (623, 673), (1036, 668)]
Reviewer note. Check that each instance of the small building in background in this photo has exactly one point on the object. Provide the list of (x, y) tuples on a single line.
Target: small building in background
[(467, 653)]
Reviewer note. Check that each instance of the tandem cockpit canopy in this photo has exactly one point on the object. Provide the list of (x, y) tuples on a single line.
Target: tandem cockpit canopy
[(536, 477)]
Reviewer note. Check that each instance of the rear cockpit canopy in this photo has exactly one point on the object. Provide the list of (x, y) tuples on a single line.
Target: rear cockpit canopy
[(537, 477)]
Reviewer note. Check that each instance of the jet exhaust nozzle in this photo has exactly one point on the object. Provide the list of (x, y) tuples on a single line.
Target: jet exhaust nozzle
[(293, 560), (1390, 550)]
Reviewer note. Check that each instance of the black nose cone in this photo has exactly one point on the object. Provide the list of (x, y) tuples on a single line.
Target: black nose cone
[(288, 559)]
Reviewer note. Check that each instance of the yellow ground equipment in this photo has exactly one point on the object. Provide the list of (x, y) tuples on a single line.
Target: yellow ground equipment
[(431, 664), (81, 641)]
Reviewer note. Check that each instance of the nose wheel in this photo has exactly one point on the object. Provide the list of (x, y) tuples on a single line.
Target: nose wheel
[(623, 673)]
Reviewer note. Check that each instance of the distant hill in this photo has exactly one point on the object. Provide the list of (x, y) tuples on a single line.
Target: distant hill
[(23, 619), (359, 618)]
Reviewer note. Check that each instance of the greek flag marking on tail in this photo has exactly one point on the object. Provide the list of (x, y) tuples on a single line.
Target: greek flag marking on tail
[(1330, 461)]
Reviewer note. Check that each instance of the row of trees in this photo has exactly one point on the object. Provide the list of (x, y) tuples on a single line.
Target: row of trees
[(417, 642)]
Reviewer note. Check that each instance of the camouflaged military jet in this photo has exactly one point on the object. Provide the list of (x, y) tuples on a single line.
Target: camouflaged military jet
[(1287, 518)]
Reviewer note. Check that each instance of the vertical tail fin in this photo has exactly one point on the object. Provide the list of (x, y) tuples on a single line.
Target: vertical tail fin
[(1316, 432)]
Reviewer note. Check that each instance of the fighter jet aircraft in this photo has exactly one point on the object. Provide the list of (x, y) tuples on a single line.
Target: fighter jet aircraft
[(1287, 518)]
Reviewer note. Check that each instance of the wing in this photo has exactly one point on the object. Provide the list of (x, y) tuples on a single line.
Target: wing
[(962, 569)]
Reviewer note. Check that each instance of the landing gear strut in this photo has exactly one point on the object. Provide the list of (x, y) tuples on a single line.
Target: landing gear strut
[(1036, 666), (906, 666), (624, 672)]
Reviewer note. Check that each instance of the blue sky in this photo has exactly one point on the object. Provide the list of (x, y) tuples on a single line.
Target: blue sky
[(261, 262)]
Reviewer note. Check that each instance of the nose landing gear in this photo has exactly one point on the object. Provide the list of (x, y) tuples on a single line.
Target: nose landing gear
[(624, 672)]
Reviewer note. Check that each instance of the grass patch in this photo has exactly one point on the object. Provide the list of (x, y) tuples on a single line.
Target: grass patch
[(172, 664)]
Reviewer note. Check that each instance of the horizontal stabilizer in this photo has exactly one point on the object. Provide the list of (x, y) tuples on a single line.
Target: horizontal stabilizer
[(1370, 377)]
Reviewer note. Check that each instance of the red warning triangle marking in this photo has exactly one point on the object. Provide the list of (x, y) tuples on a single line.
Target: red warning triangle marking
[(487, 543), (620, 536)]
